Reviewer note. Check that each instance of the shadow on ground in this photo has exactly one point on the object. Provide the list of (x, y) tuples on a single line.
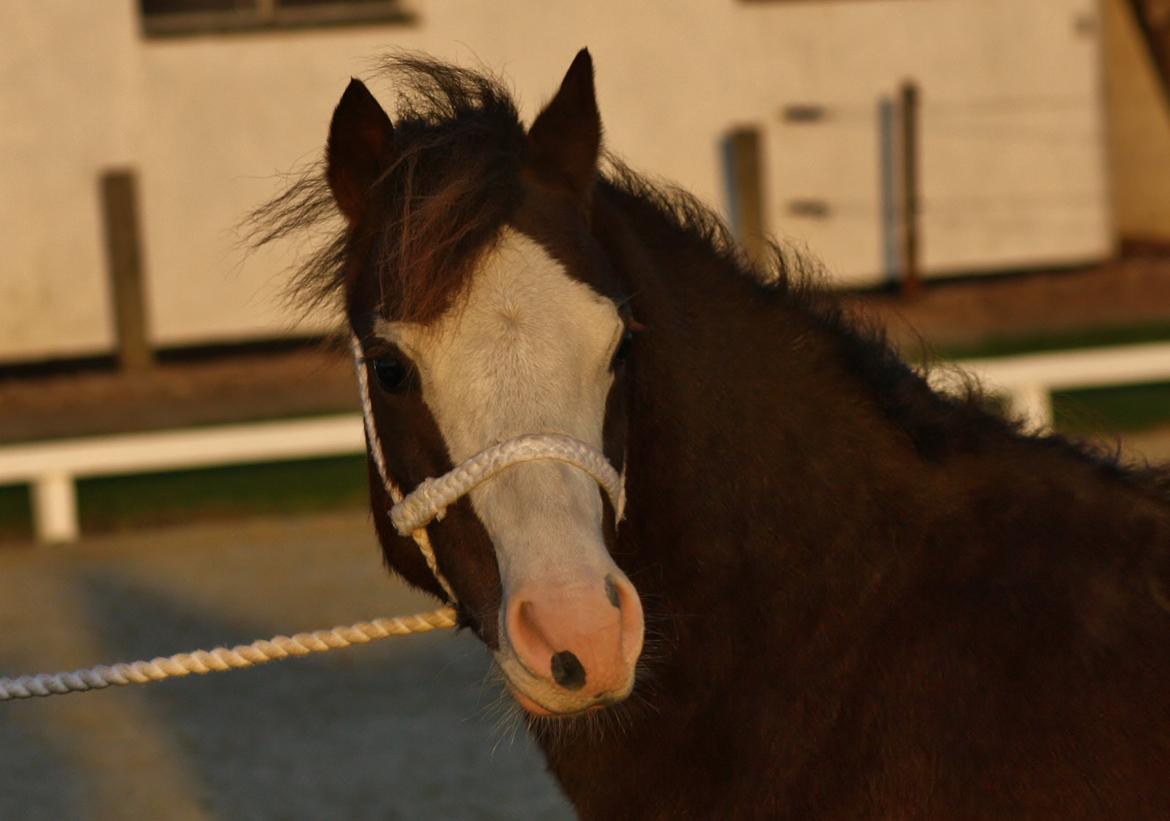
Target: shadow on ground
[(405, 728)]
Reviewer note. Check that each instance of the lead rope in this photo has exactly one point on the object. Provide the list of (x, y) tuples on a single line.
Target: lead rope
[(410, 515), (222, 658)]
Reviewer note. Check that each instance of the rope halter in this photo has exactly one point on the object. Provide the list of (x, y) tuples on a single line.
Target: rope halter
[(410, 514)]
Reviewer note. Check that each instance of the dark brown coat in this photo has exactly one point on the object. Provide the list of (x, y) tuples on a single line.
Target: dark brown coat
[(863, 599)]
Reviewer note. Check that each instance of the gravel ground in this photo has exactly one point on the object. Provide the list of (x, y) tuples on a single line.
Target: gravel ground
[(406, 728)]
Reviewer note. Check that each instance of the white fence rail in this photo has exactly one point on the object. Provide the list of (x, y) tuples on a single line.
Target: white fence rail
[(53, 468), (1028, 380)]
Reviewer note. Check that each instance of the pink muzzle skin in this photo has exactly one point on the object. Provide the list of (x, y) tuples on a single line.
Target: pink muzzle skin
[(567, 643), (580, 641)]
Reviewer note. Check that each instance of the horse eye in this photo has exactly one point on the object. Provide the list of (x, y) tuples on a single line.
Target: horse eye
[(623, 348), (393, 374)]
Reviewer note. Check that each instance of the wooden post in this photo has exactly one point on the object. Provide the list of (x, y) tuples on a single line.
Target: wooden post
[(745, 190), (1033, 404), (909, 229), (888, 164), (54, 498), (119, 198)]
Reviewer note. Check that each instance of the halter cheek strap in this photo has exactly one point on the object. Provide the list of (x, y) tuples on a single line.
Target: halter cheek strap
[(429, 501), (374, 446)]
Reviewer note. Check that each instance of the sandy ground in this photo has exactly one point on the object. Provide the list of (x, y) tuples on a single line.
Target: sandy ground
[(232, 387), (404, 729), (1132, 290)]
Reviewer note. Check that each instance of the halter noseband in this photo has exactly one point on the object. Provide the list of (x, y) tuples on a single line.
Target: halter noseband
[(410, 514)]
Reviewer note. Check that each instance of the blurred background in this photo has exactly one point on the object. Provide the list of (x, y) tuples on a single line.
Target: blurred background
[(988, 179)]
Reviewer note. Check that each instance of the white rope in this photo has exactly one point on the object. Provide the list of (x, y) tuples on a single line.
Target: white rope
[(432, 497), (222, 658)]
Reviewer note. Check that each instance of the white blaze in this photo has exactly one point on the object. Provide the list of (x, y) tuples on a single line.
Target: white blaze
[(525, 349)]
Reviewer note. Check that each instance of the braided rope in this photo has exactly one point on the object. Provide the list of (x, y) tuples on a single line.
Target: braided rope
[(222, 658), (429, 501), (432, 497), (374, 446)]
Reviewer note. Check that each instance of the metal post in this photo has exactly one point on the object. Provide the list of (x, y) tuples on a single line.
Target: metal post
[(745, 190), (911, 273), (119, 196)]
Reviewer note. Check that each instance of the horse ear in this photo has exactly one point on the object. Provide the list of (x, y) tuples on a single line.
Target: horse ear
[(360, 138), (565, 139)]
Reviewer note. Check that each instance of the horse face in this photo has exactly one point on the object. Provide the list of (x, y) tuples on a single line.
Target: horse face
[(531, 343), (529, 348)]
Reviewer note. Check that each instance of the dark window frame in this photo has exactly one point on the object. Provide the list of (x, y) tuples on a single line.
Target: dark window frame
[(273, 15)]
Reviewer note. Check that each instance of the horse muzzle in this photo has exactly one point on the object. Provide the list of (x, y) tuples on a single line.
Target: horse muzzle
[(571, 628), (573, 645)]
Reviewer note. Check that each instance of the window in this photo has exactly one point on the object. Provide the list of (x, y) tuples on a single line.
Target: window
[(178, 17)]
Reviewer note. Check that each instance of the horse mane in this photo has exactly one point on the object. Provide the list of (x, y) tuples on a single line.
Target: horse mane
[(938, 424), (455, 180)]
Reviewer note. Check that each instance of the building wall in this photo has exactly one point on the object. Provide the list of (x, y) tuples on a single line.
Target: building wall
[(69, 106), (1012, 166), (1138, 124), (211, 122)]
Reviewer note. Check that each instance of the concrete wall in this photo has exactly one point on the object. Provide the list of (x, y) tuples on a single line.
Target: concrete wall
[(210, 122)]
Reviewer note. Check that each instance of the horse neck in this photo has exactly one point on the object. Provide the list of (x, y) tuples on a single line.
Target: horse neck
[(754, 454), (759, 473)]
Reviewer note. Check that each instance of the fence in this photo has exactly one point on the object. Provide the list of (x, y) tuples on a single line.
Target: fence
[(53, 468), (1028, 380)]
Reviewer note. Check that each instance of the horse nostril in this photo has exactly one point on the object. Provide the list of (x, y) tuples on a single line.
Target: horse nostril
[(611, 592), (567, 671)]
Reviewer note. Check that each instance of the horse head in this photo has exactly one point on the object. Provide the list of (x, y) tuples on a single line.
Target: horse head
[(484, 310)]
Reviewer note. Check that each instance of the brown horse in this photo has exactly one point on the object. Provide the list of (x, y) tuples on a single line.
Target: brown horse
[(861, 598)]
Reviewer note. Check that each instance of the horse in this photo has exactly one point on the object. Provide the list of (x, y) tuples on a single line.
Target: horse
[(833, 592)]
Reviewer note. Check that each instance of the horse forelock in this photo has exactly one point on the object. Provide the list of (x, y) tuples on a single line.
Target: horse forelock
[(452, 182)]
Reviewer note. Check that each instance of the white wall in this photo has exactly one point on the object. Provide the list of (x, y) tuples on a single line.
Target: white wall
[(69, 106), (209, 121), (1012, 145)]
